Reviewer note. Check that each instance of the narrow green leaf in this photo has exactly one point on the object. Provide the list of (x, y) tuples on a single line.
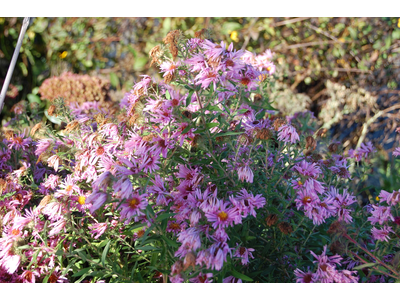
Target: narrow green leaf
[(104, 255), (240, 275), (189, 97)]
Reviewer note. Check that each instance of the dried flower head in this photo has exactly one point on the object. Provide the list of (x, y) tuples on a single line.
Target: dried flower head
[(337, 228), (257, 98), (322, 132), (263, 134), (171, 40), (200, 34), (333, 148), (311, 144), (244, 139), (71, 126), (190, 260), (271, 220), (51, 110), (35, 128), (285, 227), (156, 53), (278, 123)]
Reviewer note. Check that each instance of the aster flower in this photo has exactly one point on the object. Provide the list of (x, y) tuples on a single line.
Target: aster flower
[(246, 202), (231, 279), (223, 215), (382, 234), (54, 162), (96, 199), (190, 240), (133, 207), (169, 67), (202, 278), (380, 214), (97, 229), (244, 254), (245, 173), (288, 133), (304, 277)]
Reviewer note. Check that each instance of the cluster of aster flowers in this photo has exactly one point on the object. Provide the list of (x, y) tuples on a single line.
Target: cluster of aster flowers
[(190, 163), (326, 271)]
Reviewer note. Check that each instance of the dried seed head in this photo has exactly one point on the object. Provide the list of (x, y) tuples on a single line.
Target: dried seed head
[(244, 139), (311, 143), (177, 267), (257, 98), (171, 40), (278, 123), (200, 34), (190, 260), (271, 220), (333, 148), (46, 199), (337, 248), (52, 110), (156, 53), (9, 134), (71, 126), (322, 132), (285, 227), (35, 128), (337, 227), (169, 77), (264, 134), (187, 114)]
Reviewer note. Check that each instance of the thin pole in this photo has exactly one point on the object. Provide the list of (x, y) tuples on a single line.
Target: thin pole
[(13, 62)]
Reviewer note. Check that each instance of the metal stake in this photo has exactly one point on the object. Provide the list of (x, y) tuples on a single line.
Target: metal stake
[(13, 62)]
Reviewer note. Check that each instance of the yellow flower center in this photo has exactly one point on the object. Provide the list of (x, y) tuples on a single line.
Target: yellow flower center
[(133, 203), (81, 200), (223, 216), (299, 182)]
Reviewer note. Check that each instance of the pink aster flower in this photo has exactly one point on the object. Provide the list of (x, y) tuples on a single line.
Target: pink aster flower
[(42, 146), (202, 278), (68, 187), (57, 226), (245, 173), (133, 207), (382, 234), (231, 279), (97, 230), (304, 277), (224, 215), (244, 254), (288, 133), (18, 142), (246, 202), (380, 214), (308, 169), (169, 67), (96, 199), (54, 162), (396, 151)]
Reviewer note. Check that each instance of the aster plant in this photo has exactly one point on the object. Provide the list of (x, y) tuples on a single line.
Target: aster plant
[(197, 178)]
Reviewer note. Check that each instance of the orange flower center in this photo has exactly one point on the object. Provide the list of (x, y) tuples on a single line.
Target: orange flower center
[(15, 232), (223, 216), (245, 81), (306, 199), (68, 188), (133, 203)]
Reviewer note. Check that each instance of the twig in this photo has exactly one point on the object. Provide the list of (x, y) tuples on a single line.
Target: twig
[(13, 62), (304, 45), (295, 20), (369, 253), (373, 119)]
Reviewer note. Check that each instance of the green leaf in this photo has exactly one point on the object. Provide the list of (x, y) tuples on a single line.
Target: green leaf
[(240, 275), (170, 242), (34, 98), (104, 255), (114, 79), (211, 125), (186, 129), (368, 265), (146, 248), (164, 216), (227, 133), (81, 272), (189, 97), (167, 95)]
